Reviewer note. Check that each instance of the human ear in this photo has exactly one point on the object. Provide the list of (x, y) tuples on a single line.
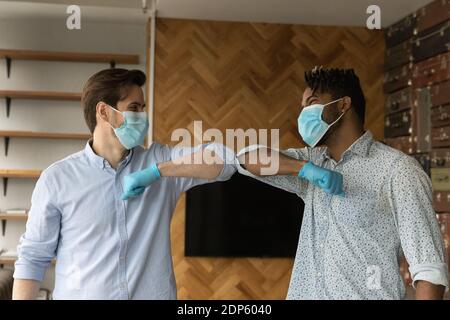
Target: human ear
[(101, 110), (346, 104)]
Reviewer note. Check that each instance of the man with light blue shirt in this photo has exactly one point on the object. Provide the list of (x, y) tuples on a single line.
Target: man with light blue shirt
[(109, 244), (85, 212)]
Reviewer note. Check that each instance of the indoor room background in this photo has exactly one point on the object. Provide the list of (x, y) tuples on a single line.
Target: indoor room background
[(228, 74)]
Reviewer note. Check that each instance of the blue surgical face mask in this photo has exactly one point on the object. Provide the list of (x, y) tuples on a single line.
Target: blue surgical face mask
[(133, 130), (311, 126)]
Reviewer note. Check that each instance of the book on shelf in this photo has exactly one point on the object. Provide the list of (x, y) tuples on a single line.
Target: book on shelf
[(16, 211)]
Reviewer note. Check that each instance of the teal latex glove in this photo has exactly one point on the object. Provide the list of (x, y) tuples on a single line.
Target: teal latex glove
[(136, 182), (328, 180)]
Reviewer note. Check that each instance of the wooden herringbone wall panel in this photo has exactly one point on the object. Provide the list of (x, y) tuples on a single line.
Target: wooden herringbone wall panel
[(244, 75)]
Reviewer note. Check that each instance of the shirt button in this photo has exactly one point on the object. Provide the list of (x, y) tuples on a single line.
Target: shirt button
[(319, 274)]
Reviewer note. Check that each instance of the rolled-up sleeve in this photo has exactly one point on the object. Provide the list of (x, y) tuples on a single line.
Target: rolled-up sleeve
[(421, 240), (37, 246)]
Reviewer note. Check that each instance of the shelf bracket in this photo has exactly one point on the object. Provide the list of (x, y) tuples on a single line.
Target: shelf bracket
[(8, 106), (8, 66), (3, 227), (5, 185), (112, 63), (6, 145)]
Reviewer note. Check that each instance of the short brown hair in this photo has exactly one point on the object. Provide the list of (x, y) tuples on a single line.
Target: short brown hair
[(109, 86)]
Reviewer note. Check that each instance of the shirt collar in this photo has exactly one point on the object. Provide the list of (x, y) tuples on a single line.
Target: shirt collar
[(360, 147), (99, 161)]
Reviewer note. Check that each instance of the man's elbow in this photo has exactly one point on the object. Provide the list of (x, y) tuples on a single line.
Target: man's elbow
[(429, 291), (25, 289)]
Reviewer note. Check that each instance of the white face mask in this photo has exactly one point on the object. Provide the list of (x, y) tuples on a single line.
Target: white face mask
[(311, 126)]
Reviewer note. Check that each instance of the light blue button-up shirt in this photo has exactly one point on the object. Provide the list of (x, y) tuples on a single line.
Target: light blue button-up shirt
[(105, 248), (350, 247)]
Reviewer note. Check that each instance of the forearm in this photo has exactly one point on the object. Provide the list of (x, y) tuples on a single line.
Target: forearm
[(24, 289), (199, 165), (428, 291), (256, 161)]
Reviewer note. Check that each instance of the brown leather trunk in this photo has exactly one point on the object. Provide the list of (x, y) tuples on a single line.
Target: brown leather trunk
[(400, 31), (398, 124), (432, 14), (431, 71), (431, 42), (404, 144), (440, 158), (399, 55), (440, 178), (399, 101), (414, 122), (440, 94), (440, 137), (441, 201), (398, 78), (440, 116)]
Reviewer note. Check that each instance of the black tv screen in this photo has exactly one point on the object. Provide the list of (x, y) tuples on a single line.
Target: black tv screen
[(242, 217)]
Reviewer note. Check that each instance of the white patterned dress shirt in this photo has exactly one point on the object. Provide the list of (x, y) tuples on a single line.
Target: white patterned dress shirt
[(350, 247)]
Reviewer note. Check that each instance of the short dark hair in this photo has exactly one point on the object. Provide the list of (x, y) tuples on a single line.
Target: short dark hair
[(338, 83), (109, 86)]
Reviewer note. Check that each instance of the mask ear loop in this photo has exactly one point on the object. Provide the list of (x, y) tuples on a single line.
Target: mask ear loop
[(120, 114), (339, 118)]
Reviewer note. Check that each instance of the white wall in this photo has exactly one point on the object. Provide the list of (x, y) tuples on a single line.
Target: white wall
[(51, 116)]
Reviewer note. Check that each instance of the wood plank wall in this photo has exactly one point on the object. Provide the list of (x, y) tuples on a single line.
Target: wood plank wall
[(247, 75)]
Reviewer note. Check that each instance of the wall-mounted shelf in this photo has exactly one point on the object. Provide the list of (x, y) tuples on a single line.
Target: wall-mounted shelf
[(11, 217), (40, 135), (36, 95), (17, 174), (110, 58), (40, 95)]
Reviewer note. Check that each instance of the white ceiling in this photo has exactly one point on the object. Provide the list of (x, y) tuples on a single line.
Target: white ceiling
[(315, 12)]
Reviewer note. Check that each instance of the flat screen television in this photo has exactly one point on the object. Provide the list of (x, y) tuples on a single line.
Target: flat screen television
[(242, 217)]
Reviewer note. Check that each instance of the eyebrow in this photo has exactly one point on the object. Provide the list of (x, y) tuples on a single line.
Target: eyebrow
[(135, 102)]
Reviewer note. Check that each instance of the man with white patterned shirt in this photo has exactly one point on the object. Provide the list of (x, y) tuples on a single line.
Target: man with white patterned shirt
[(350, 246)]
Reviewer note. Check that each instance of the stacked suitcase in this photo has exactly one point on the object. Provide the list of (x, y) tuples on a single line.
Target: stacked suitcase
[(417, 110)]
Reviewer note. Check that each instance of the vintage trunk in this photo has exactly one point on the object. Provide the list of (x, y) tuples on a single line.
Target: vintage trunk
[(427, 44), (432, 14), (398, 78), (441, 201), (404, 144), (414, 122), (431, 71), (440, 158), (399, 101), (440, 94), (440, 178), (440, 137), (400, 31), (399, 55), (440, 116)]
